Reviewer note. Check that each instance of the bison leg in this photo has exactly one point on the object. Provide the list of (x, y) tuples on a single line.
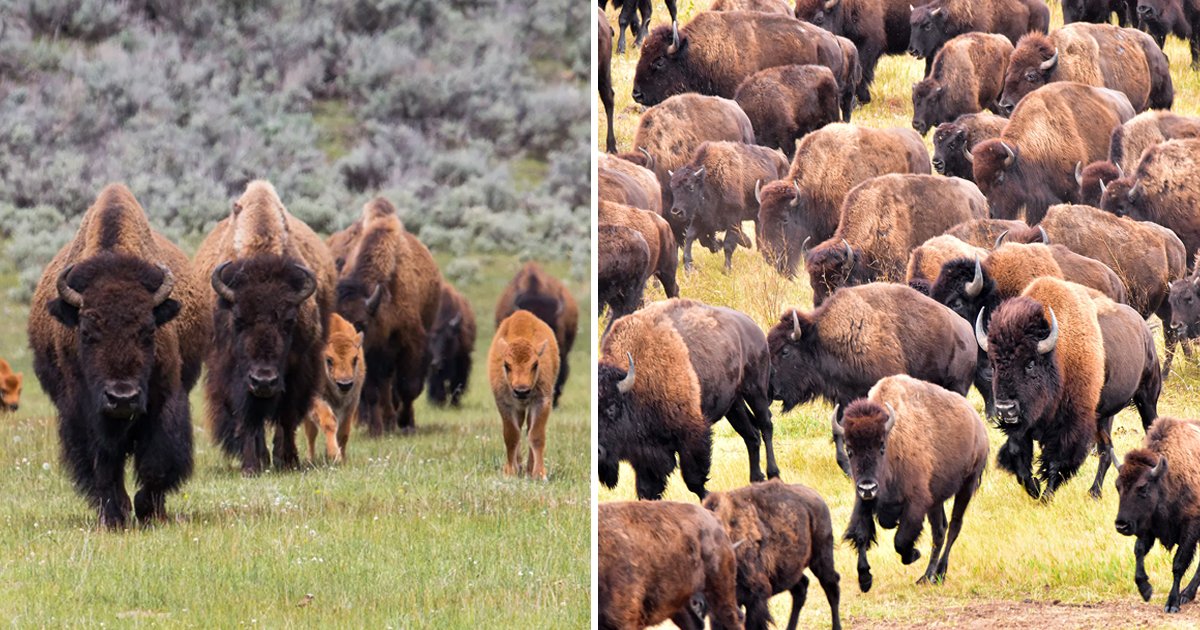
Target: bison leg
[(512, 442), (686, 620), (733, 237), (961, 501), (869, 56), (286, 457), (254, 447), (1016, 456), (822, 567), (740, 420), (310, 436), (627, 21), (937, 527), (1183, 559), (758, 614), (799, 594), (695, 459), (720, 585), (1104, 448), (1194, 45), (1189, 592), (537, 441), (564, 368), (760, 407), (861, 534), (329, 427), (162, 460), (907, 532), (343, 430), (112, 502), (371, 405), (1140, 549), (689, 237)]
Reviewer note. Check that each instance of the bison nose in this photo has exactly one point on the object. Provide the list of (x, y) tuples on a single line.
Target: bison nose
[(867, 489), (1009, 411), (345, 385), (263, 380), (121, 395), (938, 165), (1124, 527), (913, 51), (1144, 10), (919, 126), (675, 211), (1006, 107), (637, 95), (521, 393)]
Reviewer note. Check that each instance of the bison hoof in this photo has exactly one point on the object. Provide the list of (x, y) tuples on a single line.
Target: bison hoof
[(1187, 595), (772, 473), (911, 557), (1032, 489), (864, 581), (1095, 492), (1145, 589), (1172, 608)]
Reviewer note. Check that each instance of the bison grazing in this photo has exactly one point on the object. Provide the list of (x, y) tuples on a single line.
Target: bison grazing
[(779, 530), (523, 368), (785, 103), (875, 27), (1033, 161), (451, 343), (671, 131), (622, 181), (1100, 11), (335, 409), (717, 191), (965, 79), (703, 57), (113, 326), (914, 207), (1165, 189), (828, 163), (1158, 486), (934, 24), (604, 49), (654, 558), (624, 267), (953, 141), (1101, 55), (912, 446), (657, 234), (542, 294), (1172, 17), (390, 289), (1047, 356), (1146, 130)]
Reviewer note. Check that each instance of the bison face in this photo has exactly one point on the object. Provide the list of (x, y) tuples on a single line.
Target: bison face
[(343, 354), (358, 303), (928, 108), (521, 364), (10, 391), (687, 192), (833, 265), (444, 341), (1094, 179), (996, 165), (116, 304), (828, 14), (964, 287), (1026, 376), (1184, 298), (1141, 491), (782, 231), (260, 300), (949, 145), (614, 387), (865, 428), (1155, 13), (1026, 74), (662, 70), (1123, 197), (795, 374), (927, 31)]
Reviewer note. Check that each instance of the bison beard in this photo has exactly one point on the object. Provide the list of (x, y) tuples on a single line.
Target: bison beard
[(262, 367)]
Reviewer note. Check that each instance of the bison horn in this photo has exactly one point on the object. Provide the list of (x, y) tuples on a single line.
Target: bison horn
[(891, 421), (164, 288), (649, 158), (738, 544), (829, 4), (674, 47), (796, 332), (976, 284), (967, 153), (849, 255), (980, 335), (1011, 157), (1103, 188), (310, 283), (1079, 173), (796, 185), (65, 292), (1135, 191), (1120, 171), (375, 297), (1050, 63), (758, 191), (1051, 340), (626, 384), (838, 429), (999, 239), (219, 285), (700, 171), (1045, 237), (1159, 468)]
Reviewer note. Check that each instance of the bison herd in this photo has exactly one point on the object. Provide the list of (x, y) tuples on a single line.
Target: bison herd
[(293, 331), (1064, 213)]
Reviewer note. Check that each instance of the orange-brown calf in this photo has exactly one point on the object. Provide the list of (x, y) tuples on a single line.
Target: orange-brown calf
[(10, 387), (522, 367), (335, 407)]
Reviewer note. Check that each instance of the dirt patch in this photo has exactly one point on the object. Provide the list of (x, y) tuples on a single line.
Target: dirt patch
[(993, 615)]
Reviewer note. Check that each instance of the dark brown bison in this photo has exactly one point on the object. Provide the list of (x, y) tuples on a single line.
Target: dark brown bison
[(657, 234), (622, 181), (966, 79), (763, 6), (1145, 130), (1184, 296), (451, 343), (272, 293), (1165, 189), (1032, 163), (1101, 55), (912, 446), (1158, 486), (542, 294), (726, 352), (1180, 18), (1100, 11), (1047, 356), (985, 232), (779, 530), (652, 560), (841, 348), (671, 131), (953, 141), (875, 27), (785, 103), (115, 326), (828, 163), (718, 50), (629, 20), (604, 51), (933, 24), (914, 207), (1093, 179), (717, 191), (624, 267)]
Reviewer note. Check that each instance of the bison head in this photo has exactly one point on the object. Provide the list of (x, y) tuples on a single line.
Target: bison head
[(663, 69), (1157, 15), (965, 287), (358, 301), (929, 105), (1184, 298), (1093, 179), (1124, 197), (996, 166), (1141, 490), (795, 374), (116, 304), (950, 149), (835, 264), (446, 338), (521, 364), (1032, 64), (613, 391), (928, 29), (688, 193), (260, 300), (344, 361), (781, 225), (828, 14), (1027, 378), (865, 427)]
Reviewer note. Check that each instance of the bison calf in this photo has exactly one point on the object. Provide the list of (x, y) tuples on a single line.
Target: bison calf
[(542, 294), (10, 387), (335, 410), (523, 367)]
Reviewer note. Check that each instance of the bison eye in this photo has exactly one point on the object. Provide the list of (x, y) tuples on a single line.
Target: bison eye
[(329, 362), (1031, 77), (958, 303), (1029, 367), (658, 63), (354, 362), (925, 26), (1000, 178), (849, 453), (534, 368), (786, 351)]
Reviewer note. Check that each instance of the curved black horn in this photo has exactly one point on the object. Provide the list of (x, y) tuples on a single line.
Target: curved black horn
[(164, 288), (310, 283), (65, 292), (219, 285)]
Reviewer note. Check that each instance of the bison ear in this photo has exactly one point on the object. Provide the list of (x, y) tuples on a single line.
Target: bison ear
[(542, 348), (65, 313), (166, 311)]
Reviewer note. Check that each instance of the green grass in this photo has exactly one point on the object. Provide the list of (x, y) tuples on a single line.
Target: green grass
[(336, 128), (1017, 563), (419, 531)]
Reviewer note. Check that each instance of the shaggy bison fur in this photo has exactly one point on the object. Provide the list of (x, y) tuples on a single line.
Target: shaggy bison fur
[(542, 294), (953, 141), (966, 79)]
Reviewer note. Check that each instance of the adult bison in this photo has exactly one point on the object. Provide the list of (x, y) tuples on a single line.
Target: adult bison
[(701, 57), (786, 103), (657, 234), (1184, 296), (542, 294), (622, 181), (272, 292), (1100, 11), (953, 141), (1172, 17), (717, 191), (926, 260), (1145, 130), (935, 23), (604, 51), (843, 347), (1100, 55), (965, 79), (1032, 163), (828, 163), (451, 342), (623, 267), (914, 207), (116, 328), (1165, 189)]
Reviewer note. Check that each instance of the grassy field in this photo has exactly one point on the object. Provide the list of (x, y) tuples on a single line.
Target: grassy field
[(1017, 564), (420, 531)]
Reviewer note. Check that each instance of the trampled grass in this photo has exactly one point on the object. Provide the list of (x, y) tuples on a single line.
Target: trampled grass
[(1017, 563), (410, 532)]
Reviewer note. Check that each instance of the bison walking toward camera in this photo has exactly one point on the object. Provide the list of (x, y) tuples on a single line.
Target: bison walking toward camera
[(451, 343), (547, 297), (335, 408), (523, 368)]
